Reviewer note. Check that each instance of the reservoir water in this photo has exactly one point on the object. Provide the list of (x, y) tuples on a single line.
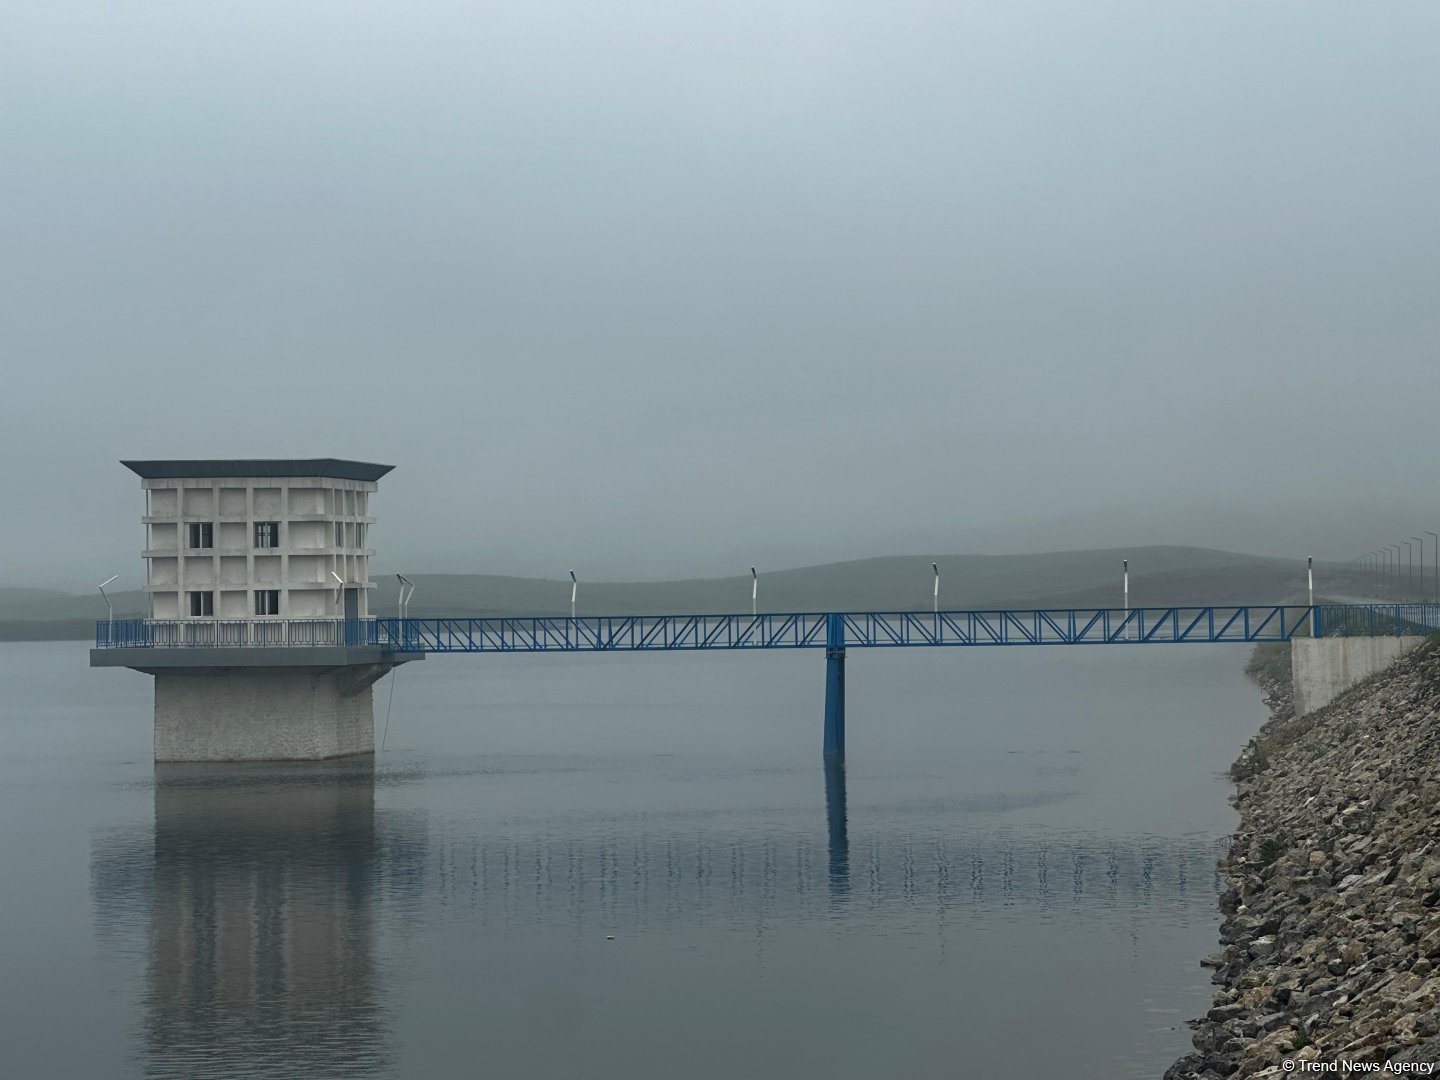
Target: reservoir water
[(630, 867)]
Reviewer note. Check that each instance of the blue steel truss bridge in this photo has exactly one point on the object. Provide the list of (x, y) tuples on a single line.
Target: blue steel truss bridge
[(835, 632)]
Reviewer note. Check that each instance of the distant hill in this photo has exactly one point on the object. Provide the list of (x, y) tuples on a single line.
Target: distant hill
[(52, 615), (25, 605), (1159, 576)]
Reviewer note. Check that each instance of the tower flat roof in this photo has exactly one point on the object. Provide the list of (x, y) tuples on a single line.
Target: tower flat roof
[(334, 468)]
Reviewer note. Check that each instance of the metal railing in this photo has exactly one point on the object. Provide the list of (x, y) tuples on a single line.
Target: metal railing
[(232, 633), (797, 630), (1377, 620)]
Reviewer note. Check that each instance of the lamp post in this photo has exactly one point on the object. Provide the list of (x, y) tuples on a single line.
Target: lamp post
[(574, 586), (935, 595), (1310, 577), (110, 632), (1125, 575), (402, 609), (754, 591), (1420, 591), (1437, 562)]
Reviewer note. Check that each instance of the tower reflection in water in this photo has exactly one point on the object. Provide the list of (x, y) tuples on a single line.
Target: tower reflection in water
[(259, 914)]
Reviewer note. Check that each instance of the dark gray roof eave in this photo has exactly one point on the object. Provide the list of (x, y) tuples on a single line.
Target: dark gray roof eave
[(193, 468)]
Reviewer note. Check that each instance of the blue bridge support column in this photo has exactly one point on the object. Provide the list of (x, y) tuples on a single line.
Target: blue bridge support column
[(834, 687)]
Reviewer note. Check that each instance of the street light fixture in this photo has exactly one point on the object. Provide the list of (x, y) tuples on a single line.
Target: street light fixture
[(402, 602), (1125, 571), (574, 586), (109, 607), (1437, 562), (754, 590), (935, 598)]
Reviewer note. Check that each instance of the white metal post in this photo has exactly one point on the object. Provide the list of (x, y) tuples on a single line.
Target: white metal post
[(935, 598), (574, 585), (109, 607), (1436, 537), (754, 591)]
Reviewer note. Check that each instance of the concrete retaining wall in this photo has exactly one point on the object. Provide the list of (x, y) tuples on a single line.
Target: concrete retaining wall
[(249, 714), (1321, 669)]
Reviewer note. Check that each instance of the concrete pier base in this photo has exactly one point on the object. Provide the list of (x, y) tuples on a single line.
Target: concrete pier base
[(1321, 669), (265, 714)]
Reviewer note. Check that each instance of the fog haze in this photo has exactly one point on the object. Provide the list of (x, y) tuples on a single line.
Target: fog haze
[(674, 288)]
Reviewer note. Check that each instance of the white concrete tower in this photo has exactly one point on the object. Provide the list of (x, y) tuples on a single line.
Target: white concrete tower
[(259, 638), (257, 539)]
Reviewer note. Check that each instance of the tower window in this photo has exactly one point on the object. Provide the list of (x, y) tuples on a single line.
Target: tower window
[(267, 601), (202, 604), (339, 534), (359, 536), (267, 534), (200, 534)]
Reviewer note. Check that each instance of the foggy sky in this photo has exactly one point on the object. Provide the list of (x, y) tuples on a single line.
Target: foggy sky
[(678, 287)]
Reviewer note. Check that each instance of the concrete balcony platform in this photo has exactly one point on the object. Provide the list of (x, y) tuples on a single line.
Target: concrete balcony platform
[(153, 658)]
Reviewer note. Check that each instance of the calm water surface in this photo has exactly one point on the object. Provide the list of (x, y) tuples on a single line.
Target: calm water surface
[(629, 867)]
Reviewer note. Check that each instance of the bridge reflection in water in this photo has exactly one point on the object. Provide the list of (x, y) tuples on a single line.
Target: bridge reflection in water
[(258, 897), (639, 880)]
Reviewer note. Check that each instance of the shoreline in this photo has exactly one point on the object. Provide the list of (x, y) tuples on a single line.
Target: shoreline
[(1330, 938)]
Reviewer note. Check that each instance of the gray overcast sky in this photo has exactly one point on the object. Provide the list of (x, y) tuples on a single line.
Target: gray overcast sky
[(673, 287)]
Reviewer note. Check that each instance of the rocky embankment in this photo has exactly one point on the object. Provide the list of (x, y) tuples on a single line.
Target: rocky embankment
[(1331, 936)]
